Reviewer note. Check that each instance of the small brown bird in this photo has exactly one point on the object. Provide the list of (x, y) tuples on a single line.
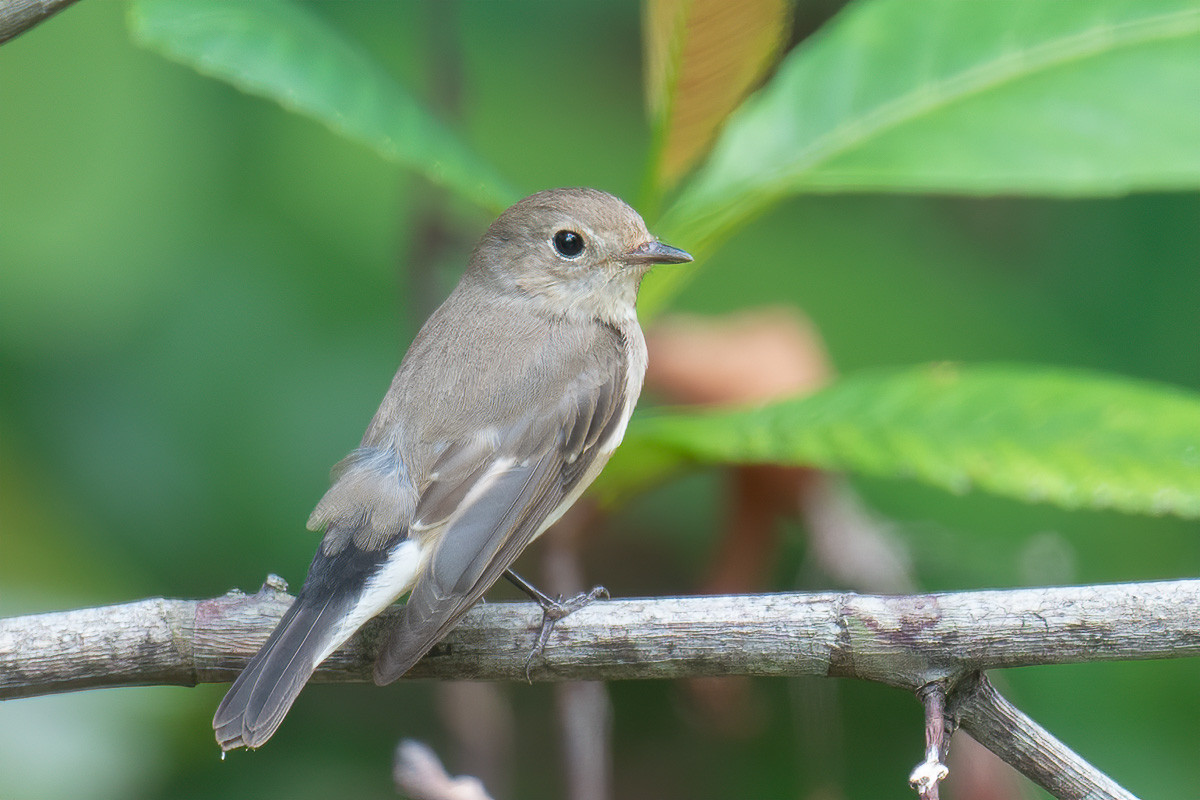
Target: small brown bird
[(507, 405)]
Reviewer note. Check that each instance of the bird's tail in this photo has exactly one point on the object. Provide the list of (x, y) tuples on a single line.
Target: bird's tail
[(261, 696)]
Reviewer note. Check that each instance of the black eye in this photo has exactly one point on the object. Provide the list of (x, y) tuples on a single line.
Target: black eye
[(569, 244)]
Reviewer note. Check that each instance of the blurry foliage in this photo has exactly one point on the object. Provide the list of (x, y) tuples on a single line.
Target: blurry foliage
[(276, 49), (200, 307), (1041, 435), (993, 102)]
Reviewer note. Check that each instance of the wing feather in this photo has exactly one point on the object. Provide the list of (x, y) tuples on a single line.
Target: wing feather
[(487, 532)]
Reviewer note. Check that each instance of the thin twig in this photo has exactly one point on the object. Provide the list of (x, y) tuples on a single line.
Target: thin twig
[(583, 707), (18, 16), (1031, 749), (932, 771), (419, 775)]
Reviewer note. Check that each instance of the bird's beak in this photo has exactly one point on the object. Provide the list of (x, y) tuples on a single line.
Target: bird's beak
[(655, 252)]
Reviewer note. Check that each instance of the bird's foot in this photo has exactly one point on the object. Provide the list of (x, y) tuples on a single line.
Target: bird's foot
[(553, 609)]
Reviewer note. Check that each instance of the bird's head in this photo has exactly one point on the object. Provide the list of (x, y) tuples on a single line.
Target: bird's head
[(581, 251)]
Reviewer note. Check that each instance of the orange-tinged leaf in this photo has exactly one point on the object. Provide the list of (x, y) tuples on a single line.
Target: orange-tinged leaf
[(702, 58)]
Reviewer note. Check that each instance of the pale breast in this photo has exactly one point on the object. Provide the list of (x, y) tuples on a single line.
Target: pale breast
[(635, 359)]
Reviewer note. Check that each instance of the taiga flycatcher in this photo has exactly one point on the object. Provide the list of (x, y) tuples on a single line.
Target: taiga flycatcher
[(509, 402)]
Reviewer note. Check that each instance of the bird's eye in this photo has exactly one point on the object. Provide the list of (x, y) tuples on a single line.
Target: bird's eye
[(569, 244)]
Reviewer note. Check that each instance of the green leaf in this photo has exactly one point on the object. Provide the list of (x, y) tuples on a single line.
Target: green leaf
[(1077, 440), (278, 50), (1033, 97)]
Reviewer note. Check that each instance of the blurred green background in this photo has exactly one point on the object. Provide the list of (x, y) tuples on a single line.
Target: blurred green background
[(203, 297)]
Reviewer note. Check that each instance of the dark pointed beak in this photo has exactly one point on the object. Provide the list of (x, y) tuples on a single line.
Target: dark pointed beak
[(655, 252)]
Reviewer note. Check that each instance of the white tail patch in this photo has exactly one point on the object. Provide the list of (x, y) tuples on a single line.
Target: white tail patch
[(385, 586)]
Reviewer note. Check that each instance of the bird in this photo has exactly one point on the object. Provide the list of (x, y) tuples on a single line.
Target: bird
[(510, 400)]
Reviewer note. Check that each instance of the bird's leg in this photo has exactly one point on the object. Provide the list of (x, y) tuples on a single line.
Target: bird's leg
[(553, 609)]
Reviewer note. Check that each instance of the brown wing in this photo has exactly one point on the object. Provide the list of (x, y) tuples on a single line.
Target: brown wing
[(490, 508)]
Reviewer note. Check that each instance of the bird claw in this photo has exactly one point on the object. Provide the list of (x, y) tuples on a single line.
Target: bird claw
[(552, 612)]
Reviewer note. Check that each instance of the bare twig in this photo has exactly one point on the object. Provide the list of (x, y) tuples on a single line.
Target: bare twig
[(1006, 731), (419, 775), (850, 544), (932, 771), (907, 642), (904, 641), (481, 730), (585, 722), (18, 16), (980, 774), (583, 707)]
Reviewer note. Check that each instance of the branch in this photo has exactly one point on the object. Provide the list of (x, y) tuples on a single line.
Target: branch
[(419, 775), (912, 642), (1002, 728), (906, 642), (18, 16)]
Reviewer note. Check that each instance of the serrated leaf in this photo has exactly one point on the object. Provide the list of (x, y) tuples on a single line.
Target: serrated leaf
[(280, 51), (702, 58), (1074, 439), (1062, 98)]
